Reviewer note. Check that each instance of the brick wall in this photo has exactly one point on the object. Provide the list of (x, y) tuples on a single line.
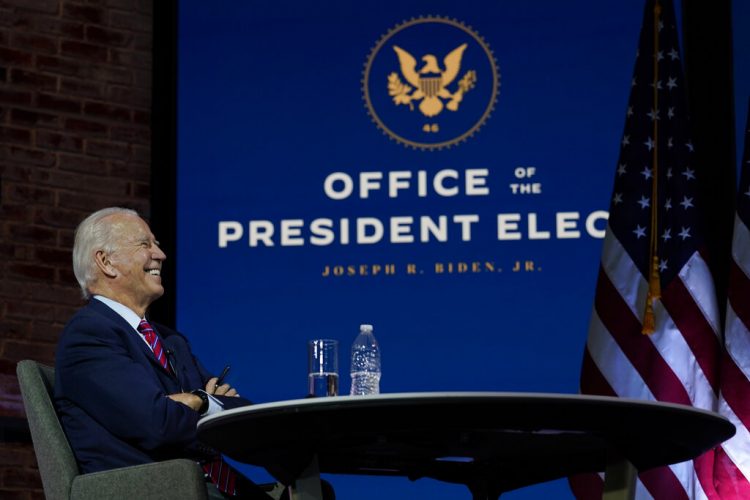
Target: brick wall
[(75, 106)]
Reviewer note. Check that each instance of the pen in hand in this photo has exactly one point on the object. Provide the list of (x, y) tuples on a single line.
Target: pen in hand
[(223, 375)]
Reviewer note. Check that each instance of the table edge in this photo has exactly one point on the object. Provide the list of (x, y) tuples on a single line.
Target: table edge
[(425, 397)]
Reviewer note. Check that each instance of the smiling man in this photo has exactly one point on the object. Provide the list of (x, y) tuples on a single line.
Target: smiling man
[(129, 391)]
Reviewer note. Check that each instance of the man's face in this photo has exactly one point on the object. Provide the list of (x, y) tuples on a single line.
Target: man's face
[(137, 259)]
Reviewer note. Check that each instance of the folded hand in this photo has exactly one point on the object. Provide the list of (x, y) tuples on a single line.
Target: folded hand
[(219, 390)]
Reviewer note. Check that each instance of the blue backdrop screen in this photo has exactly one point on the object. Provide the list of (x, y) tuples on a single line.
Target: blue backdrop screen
[(439, 170)]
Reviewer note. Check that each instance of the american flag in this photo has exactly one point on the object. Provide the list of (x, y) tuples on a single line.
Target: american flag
[(732, 470), (654, 230)]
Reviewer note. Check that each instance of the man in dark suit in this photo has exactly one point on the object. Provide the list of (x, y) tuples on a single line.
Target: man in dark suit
[(129, 392)]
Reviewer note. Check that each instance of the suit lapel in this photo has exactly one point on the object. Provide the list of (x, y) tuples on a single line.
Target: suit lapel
[(133, 337)]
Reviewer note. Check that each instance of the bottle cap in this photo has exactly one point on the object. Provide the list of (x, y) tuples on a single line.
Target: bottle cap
[(365, 328)]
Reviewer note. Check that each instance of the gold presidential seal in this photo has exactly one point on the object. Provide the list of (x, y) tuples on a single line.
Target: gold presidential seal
[(430, 83)]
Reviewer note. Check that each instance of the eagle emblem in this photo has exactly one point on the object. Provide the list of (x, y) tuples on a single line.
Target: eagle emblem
[(429, 84)]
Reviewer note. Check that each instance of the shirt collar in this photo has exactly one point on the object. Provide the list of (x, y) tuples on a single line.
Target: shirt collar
[(127, 314)]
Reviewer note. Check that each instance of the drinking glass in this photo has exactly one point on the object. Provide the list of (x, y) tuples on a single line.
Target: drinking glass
[(322, 367)]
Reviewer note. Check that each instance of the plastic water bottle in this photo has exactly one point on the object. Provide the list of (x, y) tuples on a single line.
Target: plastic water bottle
[(365, 370)]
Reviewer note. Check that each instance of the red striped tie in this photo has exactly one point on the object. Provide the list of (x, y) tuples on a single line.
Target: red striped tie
[(153, 341), (217, 470)]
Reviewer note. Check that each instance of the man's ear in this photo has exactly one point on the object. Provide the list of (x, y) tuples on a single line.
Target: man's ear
[(104, 264)]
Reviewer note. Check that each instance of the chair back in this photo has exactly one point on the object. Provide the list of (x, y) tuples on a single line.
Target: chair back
[(57, 465)]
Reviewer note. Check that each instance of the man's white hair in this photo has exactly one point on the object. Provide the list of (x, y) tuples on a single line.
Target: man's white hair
[(92, 235)]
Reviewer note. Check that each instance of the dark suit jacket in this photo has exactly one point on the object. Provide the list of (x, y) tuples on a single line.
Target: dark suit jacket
[(110, 393)]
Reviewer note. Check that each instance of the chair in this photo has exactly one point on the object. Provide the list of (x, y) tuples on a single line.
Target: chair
[(178, 479)]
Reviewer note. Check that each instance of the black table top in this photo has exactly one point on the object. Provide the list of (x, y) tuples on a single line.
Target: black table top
[(511, 439)]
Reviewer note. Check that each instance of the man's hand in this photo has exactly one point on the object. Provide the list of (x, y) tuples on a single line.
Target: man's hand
[(190, 400), (219, 390)]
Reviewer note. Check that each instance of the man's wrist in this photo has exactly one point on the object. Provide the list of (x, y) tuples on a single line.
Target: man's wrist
[(204, 400)]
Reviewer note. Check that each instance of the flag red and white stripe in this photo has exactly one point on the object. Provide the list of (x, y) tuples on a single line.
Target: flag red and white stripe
[(732, 468)]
